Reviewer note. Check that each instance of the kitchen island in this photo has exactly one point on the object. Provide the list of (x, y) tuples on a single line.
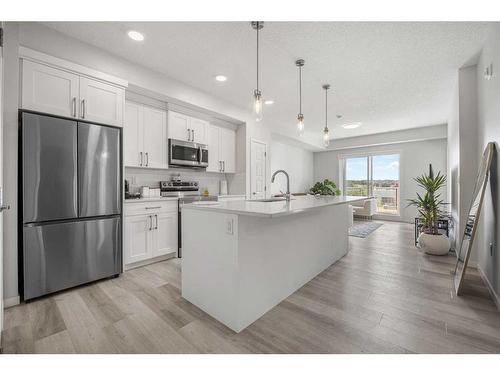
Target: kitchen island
[(242, 258)]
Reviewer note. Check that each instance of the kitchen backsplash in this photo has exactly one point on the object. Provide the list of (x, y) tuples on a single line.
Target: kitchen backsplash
[(138, 177)]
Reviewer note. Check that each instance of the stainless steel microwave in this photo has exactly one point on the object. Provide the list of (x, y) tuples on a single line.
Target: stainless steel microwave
[(187, 154)]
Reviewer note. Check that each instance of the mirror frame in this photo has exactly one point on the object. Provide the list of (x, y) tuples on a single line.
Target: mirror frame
[(479, 189)]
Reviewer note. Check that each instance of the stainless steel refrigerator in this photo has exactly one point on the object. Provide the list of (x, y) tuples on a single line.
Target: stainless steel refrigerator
[(70, 194)]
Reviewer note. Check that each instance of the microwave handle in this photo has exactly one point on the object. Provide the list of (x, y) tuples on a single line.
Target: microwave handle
[(200, 154)]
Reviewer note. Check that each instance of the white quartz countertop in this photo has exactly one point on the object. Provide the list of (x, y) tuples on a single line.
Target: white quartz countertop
[(274, 209), (154, 199)]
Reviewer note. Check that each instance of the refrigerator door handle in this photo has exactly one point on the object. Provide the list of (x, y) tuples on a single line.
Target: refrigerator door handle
[(83, 108), (2, 206)]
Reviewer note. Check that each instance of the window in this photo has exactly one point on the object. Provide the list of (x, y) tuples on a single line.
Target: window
[(374, 175)]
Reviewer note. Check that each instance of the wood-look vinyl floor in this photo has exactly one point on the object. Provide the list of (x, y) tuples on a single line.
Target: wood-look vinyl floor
[(383, 297)]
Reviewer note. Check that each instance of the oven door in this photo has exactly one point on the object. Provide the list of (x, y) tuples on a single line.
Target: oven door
[(184, 154)]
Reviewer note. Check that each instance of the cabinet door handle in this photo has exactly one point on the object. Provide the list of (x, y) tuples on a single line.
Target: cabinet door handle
[(150, 222), (153, 208), (74, 106), (189, 134), (192, 131), (156, 221), (220, 166), (147, 159), (224, 166), (83, 108), (140, 153)]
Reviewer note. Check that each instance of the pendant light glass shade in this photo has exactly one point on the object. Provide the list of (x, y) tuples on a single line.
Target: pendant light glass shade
[(326, 131), (300, 124), (326, 136), (257, 95), (300, 117)]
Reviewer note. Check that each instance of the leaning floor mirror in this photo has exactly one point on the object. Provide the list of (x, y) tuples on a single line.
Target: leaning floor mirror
[(472, 218)]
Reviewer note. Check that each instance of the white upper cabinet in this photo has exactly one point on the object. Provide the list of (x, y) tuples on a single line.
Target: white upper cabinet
[(55, 86), (199, 130), (221, 150), (49, 90), (155, 137), (214, 161), (227, 150), (101, 102), (133, 131), (187, 128), (144, 136), (178, 126)]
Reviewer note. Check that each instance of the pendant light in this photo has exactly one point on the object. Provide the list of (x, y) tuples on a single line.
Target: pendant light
[(300, 117), (326, 131), (257, 95)]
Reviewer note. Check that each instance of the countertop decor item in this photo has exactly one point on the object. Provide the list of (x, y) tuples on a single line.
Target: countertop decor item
[(429, 207), (325, 187)]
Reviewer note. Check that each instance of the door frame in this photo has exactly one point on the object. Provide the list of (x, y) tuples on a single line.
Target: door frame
[(255, 140)]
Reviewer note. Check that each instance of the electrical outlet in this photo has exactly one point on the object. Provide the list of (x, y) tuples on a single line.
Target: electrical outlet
[(229, 226)]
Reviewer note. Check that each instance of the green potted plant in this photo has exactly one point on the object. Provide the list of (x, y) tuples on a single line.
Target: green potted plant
[(429, 207), (325, 187)]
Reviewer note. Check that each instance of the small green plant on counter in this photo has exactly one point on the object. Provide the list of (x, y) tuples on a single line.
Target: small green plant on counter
[(429, 205), (326, 187)]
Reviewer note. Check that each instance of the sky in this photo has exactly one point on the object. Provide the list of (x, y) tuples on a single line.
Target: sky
[(385, 167)]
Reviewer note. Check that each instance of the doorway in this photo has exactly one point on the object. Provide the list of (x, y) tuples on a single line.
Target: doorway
[(258, 162)]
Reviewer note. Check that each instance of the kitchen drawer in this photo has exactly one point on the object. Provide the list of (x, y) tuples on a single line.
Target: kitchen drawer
[(153, 207)]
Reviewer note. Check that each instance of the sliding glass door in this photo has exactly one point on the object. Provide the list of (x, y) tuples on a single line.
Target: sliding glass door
[(374, 175)]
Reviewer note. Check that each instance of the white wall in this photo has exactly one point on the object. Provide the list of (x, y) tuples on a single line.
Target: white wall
[(44, 39), (415, 158), (488, 130), (297, 162)]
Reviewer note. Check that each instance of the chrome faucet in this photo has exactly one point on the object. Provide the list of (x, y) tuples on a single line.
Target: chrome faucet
[(287, 195)]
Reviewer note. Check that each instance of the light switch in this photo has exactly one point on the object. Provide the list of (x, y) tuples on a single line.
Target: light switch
[(229, 226)]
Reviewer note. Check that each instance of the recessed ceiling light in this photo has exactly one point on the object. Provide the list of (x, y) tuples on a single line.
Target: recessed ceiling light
[(220, 78), (269, 101), (354, 125), (135, 35)]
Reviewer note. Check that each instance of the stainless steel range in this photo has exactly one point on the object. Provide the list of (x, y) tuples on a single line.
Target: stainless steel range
[(188, 192)]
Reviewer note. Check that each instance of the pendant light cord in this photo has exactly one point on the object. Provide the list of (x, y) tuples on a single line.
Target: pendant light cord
[(300, 89), (257, 57), (326, 108)]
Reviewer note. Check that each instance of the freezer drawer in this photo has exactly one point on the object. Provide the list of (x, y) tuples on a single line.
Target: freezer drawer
[(99, 170), (49, 168), (63, 255)]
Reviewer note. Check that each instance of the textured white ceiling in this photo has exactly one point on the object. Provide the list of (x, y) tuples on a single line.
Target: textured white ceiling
[(387, 75)]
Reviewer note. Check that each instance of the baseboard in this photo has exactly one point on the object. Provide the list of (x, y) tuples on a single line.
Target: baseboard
[(490, 288), (12, 301), (131, 266)]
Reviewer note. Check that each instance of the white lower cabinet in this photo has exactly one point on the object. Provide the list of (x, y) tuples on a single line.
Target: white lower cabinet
[(150, 232), (165, 234), (137, 239)]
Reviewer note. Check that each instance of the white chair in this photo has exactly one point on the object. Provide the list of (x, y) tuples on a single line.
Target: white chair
[(366, 208)]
